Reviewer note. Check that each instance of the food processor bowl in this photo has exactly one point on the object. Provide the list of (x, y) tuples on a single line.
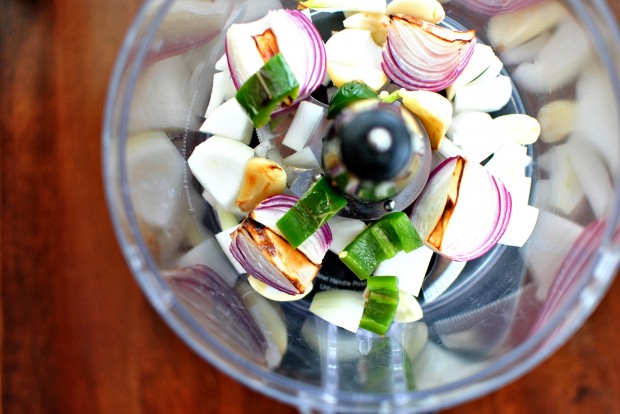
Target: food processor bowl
[(486, 322)]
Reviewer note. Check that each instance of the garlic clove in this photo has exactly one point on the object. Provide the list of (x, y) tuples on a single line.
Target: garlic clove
[(428, 10), (520, 128), (513, 29), (559, 62), (557, 120), (408, 310), (263, 178), (376, 23), (352, 55), (486, 96), (433, 110)]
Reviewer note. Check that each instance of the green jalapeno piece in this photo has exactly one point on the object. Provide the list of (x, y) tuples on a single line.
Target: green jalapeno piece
[(380, 241), (320, 203), (380, 309), (347, 94), (264, 91)]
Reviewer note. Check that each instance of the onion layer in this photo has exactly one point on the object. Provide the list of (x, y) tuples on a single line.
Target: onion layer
[(463, 211), (574, 265), (214, 303), (297, 40), (422, 56)]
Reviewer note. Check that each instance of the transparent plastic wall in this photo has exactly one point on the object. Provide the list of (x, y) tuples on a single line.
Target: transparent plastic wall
[(485, 322)]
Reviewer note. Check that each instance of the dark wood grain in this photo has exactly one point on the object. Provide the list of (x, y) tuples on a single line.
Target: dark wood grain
[(77, 335)]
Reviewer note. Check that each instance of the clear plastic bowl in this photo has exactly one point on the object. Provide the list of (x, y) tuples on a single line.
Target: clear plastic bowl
[(503, 315)]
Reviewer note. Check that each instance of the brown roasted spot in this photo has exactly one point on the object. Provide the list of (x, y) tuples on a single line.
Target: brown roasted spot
[(435, 238), (263, 178), (439, 32), (292, 263), (267, 45)]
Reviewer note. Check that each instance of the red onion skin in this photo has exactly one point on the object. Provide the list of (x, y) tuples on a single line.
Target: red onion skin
[(233, 75)]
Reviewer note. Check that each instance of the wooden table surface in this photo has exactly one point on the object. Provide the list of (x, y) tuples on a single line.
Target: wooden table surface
[(77, 334)]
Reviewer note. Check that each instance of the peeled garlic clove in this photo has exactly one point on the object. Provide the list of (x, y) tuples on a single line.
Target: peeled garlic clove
[(428, 10), (408, 310), (512, 29), (352, 55), (376, 23), (557, 120), (434, 111), (597, 121), (270, 320), (263, 178), (592, 174), (486, 96), (520, 128), (525, 52), (558, 63), (565, 192)]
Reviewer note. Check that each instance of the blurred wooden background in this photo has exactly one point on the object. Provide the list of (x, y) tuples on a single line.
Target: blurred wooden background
[(77, 335)]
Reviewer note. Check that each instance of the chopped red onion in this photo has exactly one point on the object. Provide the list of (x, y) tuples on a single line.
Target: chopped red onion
[(270, 210), (298, 41), (270, 259), (422, 56), (463, 211), (578, 258), (214, 303)]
